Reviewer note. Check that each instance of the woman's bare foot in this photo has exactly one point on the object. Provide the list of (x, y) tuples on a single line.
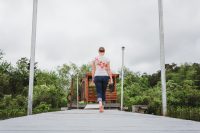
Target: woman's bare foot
[(101, 107)]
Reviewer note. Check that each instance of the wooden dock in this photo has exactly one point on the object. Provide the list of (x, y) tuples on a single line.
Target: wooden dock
[(83, 121)]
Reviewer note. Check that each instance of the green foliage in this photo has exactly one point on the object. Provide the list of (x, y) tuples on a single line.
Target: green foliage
[(183, 112), (12, 107), (13, 79), (42, 107), (48, 94), (51, 88), (1, 54), (48, 78), (67, 72), (183, 90)]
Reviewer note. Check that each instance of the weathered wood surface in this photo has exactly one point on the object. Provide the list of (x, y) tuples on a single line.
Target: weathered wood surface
[(83, 121), (107, 106)]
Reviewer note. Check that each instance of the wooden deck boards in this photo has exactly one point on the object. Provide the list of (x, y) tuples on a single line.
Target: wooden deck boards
[(83, 121)]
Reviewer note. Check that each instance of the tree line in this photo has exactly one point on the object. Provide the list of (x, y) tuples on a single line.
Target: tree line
[(183, 90), (52, 87)]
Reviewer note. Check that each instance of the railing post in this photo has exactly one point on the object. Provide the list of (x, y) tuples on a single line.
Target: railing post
[(77, 92), (122, 80), (162, 58), (32, 58)]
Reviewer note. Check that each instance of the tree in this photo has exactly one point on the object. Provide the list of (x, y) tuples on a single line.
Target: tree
[(1, 54), (19, 77)]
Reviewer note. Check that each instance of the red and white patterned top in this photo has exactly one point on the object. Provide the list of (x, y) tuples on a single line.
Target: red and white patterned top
[(101, 64)]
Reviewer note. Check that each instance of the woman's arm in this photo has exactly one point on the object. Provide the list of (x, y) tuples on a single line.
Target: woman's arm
[(109, 73), (93, 70)]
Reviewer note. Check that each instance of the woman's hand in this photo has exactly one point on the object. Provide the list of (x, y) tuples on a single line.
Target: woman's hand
[(93, 79), (111, 81)]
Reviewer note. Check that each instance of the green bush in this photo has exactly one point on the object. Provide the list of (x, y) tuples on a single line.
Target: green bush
[(42, 107), (50, 95), (183, 112), (12, 107)]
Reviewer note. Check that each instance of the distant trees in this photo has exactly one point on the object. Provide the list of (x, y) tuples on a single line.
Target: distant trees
[(50, 87), (183, 89)]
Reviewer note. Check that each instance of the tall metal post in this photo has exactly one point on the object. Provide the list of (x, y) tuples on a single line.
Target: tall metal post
[(32, 59), (162, 58), (122, 79), (77, 92)]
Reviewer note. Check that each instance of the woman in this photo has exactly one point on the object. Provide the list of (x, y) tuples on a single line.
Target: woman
[(100, 75)]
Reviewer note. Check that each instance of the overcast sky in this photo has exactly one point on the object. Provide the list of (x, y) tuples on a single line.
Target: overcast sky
[(73, 30)]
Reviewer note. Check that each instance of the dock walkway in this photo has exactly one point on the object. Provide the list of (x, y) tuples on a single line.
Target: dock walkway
[(83, 121)]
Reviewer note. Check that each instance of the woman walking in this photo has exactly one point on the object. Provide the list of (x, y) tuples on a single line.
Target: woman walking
[(100, 75)]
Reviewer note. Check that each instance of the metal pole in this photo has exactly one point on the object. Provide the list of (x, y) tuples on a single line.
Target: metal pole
[(122, 80), (77, 91), (162, 58), (32, 59)]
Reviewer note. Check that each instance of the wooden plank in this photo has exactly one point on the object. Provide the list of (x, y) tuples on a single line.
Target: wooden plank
[(92, 106)]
